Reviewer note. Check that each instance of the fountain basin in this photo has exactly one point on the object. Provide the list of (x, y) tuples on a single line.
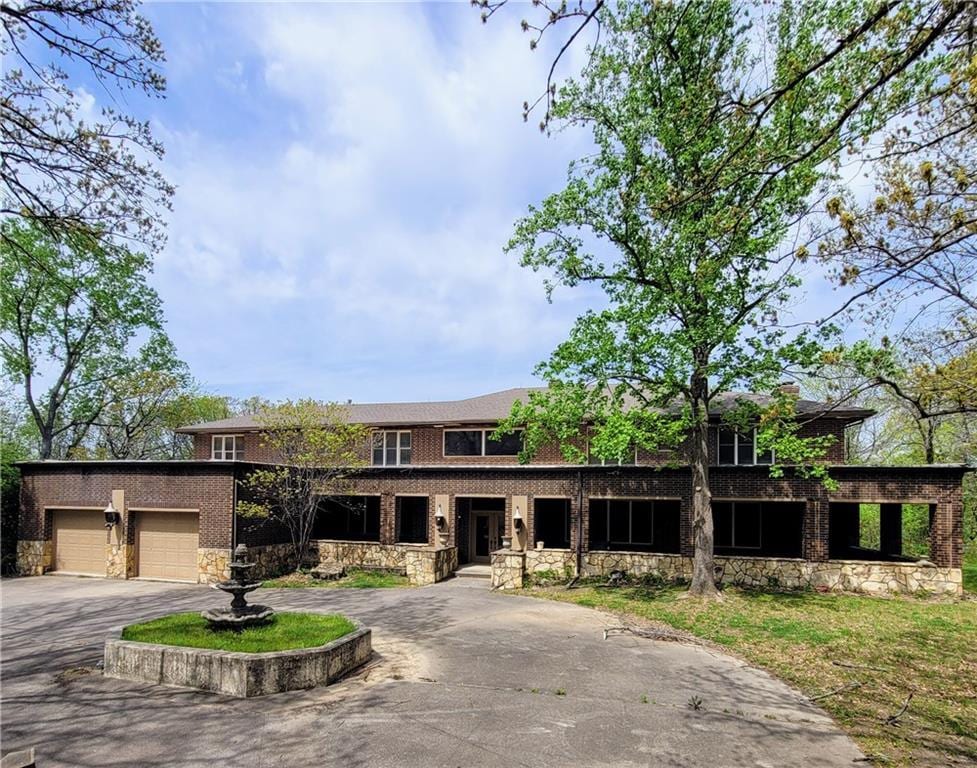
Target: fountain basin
[(232, 673)]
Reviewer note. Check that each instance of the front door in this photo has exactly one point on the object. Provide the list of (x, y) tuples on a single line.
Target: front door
[(485, 532)]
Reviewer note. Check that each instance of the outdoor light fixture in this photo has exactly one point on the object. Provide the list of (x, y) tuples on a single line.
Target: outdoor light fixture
[(517, 518), (439, 518), (111, 516)]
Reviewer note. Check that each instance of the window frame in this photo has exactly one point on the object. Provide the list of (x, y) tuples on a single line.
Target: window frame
[(237, 450), (384, 447), (732, 526), (483, 442), (736, 450), (630, 502)]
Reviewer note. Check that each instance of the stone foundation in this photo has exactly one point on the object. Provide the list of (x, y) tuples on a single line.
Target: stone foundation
[(560, 562), (212, 565), (508, 567), (34, 557), (364, 553), (120, 561), (869, 577)]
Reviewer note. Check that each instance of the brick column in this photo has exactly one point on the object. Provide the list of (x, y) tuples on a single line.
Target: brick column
[(388, 518), (815, 530), (946, 530)]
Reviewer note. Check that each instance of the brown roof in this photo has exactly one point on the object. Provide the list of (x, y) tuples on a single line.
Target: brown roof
[(492, 408)]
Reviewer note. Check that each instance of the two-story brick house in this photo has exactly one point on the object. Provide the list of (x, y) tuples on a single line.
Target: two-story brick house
[(440, 492)]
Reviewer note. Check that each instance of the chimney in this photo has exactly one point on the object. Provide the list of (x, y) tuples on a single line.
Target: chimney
[(789, 388)]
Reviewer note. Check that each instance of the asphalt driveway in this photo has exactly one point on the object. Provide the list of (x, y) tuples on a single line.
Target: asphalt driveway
[(463, 677)]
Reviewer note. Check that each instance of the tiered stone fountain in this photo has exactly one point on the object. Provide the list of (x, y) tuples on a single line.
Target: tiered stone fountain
[(240, 615)]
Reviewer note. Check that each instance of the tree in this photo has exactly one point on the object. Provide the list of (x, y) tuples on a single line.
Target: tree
[(69, 314), (910, 254), (14, 447), (320, 451), (682, 233), (61, 169)]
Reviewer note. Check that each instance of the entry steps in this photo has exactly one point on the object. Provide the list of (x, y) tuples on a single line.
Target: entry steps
[(474, 571)]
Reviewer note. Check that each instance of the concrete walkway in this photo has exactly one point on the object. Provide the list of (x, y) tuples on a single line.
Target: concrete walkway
[(465, 677)]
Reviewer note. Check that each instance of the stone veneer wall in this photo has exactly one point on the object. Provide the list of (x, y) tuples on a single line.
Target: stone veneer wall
[(34, 557), (870, 577), (212, 565), (430, 565), (271, 560), (559, 561), (508, 568), (120, 561)]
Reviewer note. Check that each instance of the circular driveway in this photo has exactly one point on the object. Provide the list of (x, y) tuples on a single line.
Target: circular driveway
[(463, 677)]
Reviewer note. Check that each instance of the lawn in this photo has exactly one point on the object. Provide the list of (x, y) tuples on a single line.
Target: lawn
[(893, 647), (354, 579), (287, 631)]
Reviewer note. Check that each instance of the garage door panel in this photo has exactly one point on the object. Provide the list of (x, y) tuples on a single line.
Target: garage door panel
[(166, 545), (79, 541)]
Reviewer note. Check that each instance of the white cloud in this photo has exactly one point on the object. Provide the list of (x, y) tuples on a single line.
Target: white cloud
[(366, 217)]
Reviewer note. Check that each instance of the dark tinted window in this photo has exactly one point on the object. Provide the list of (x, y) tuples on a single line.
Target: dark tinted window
[(510, 445), (463, 442)]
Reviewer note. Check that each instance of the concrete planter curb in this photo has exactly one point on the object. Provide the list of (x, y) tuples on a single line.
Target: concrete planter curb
[(233, 673)]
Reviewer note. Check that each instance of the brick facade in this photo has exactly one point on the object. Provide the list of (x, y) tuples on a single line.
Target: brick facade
[(210, 488), (427, 447)]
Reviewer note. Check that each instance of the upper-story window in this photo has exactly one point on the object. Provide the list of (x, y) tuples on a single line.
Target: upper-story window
[(478, 442), (740, 447), (227, 447), (631, 457), (391, 449)]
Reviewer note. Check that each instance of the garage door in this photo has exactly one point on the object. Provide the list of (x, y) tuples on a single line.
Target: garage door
[(166, 545), (79, 541)]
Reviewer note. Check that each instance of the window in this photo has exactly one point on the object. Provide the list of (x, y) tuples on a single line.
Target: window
[(736, 524), (740, 448), (616, 522), (412, 519), (551, 523), (391, 448), (348, 518), (478, 442), (227, 447)]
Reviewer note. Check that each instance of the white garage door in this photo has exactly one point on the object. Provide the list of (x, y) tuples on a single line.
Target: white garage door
[(79, 541), (166, 545)]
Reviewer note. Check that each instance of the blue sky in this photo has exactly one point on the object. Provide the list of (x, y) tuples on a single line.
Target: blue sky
[(347, 175)]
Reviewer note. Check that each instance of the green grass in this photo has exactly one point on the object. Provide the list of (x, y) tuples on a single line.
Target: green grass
[(354, 579), (286, 632), (970, 572), (928, 647)]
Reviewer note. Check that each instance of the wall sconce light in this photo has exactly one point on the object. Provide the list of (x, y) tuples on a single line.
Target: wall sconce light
[(112, 516), (439, 520), (517, 519)]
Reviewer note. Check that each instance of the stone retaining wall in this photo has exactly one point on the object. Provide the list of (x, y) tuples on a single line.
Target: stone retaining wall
[(271, 560), (236, 674), (364, 553), (562, 562)]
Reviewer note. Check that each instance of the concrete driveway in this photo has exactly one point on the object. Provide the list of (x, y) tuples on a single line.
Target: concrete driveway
[(464, 677)]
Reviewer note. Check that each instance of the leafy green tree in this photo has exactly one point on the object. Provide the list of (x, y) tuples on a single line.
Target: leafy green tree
[(15, 445), (69, 316), (320, 450), (681, 229)]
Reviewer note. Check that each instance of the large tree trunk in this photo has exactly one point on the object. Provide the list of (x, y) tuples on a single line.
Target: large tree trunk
[(703, 564)]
